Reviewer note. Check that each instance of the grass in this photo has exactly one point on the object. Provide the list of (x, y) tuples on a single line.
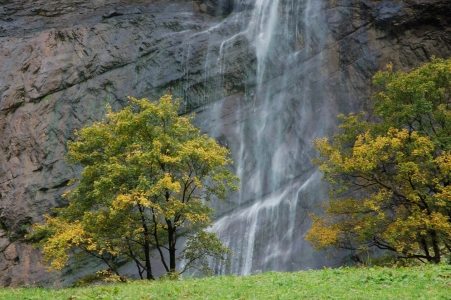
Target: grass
[(425, 282)]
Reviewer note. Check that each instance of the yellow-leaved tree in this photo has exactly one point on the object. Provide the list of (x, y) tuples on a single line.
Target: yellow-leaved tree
[(390, 171), (148, 173)]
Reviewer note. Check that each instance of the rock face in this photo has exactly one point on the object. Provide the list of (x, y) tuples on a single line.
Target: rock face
[(264, 77)]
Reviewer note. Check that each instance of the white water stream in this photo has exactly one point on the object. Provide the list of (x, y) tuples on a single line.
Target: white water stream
[(269, 132)]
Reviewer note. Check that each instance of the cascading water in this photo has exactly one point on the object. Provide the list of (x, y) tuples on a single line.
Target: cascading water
[(269, 131)]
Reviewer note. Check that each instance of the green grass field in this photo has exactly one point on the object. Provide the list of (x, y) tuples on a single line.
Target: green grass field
[(426, 282)]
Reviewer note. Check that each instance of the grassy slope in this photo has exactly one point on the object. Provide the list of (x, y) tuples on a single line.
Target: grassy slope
[(427, 282)]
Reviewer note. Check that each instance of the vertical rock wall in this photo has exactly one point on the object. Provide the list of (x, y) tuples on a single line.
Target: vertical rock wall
[(62, 61)]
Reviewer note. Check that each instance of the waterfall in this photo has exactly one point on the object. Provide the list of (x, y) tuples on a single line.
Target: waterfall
[(269, 131)]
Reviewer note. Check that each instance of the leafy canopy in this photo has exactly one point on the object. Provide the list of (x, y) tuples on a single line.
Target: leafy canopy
[(147, 175), (391, 172)]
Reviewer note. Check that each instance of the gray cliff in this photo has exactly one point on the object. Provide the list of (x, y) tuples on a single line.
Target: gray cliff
[(264, 77)]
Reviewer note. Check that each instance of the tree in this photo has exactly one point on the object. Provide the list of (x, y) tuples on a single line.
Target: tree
[(147, 175), (390, 172)]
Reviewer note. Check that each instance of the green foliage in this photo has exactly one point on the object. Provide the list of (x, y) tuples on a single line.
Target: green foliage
[(426, 282), (391, 172), (98, 277), (202, 246), (24, 229), (87, 280), (147, 175)]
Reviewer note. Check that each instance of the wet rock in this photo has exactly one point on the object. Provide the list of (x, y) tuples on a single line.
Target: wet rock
[(111, 13), (218, 7), (4, 242), (11, 252)]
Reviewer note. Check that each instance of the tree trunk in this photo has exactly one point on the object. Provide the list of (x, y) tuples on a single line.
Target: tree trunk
[(436, 259), (146, 232), (148, 265), (172, 241)]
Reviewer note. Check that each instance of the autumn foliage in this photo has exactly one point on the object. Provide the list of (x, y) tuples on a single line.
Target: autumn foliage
[(148, 173), (390, 171)]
